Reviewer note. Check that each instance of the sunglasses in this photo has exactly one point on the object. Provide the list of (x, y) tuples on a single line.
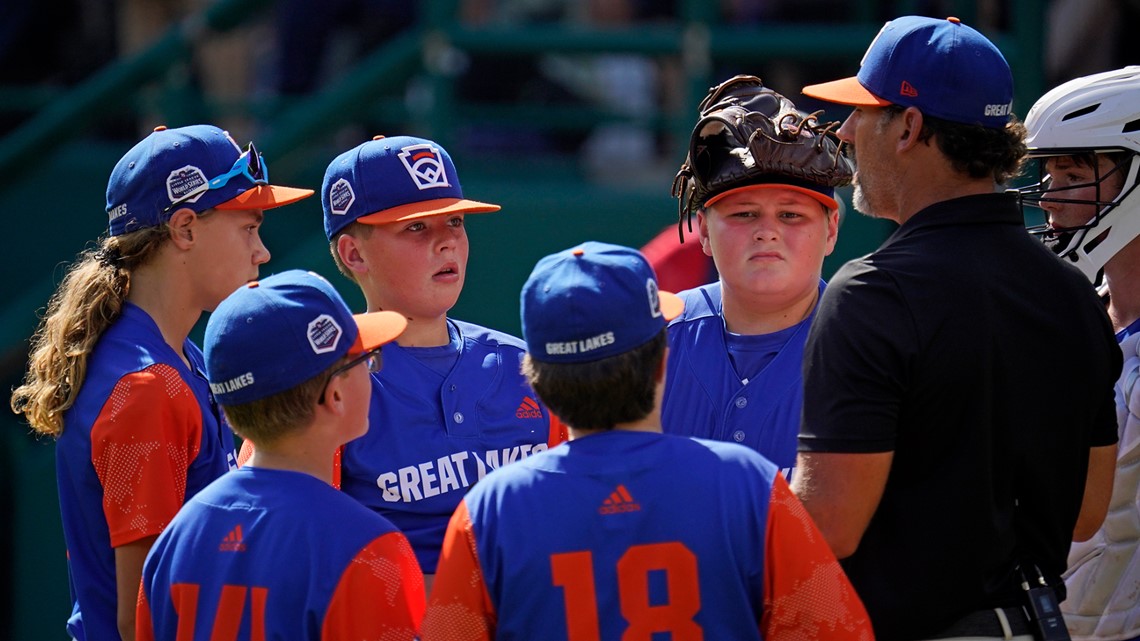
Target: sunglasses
[(250, 164), (373, 358)]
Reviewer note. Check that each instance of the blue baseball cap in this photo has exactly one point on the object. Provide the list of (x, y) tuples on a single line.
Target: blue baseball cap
[(387, 180), (941, 66), (271, 335), (593, 301), (198, 167)]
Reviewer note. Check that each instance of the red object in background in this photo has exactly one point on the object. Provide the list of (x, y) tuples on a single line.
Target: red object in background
[(679, 266)]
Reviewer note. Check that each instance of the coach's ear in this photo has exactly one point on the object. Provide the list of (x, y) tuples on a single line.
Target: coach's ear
[(348, 248)]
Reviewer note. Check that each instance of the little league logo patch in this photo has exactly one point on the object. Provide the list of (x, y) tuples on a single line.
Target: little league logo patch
[(341, 197), (425, 166), (654, 297), (324, 334), (185, 181)]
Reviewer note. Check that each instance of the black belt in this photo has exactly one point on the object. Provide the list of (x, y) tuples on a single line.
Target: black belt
[(985, 623)]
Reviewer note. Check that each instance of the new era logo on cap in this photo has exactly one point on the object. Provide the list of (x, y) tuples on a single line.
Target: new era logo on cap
[(324, 334), (964, 78), (425, 166)]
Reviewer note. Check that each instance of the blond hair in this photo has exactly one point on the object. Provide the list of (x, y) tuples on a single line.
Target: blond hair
[(268, 419), (85, 304)]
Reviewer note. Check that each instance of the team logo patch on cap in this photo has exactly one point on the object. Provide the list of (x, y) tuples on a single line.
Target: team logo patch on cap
[(185, 181), (341, 197), (324, 334), (654, 297), (425, 166)]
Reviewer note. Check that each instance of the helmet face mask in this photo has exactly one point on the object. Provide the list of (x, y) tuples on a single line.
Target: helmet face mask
[(1106, 194), (1087, 119)]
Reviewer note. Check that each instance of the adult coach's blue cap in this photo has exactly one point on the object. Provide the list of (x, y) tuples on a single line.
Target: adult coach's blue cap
[(198, 167), (271, 335), (943, 67), (593, 301), (387, 180)]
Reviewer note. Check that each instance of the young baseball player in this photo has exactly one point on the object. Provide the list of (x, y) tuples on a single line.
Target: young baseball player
[(624, 532), (1081, 135), (761, 178), (272, 551), (450, 404), (112, 374)]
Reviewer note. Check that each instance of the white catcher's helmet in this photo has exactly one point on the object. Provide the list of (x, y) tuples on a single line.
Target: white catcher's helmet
[(1094, 114)]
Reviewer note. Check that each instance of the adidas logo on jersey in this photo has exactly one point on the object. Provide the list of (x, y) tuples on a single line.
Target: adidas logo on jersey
[(619, 501), (233, 541), (528, 408)]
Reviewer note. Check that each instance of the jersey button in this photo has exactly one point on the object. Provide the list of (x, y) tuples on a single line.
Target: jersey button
[(741, 403), (738, 436), (457, 417)]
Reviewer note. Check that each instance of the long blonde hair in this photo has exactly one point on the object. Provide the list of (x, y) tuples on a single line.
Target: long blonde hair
[(85, 304)]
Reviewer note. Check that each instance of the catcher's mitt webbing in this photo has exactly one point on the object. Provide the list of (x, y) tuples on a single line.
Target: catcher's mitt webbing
[(749, 134)]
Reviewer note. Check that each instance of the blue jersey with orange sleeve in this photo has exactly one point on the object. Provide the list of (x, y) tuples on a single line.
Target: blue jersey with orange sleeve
[(142, 436), (277, 554), (624, 535), (432, 435), (706, 397)]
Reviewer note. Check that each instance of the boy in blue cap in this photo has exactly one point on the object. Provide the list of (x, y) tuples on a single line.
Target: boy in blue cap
[(451, 404), (625, 532), (929, 459), (272, 549), (112, 373)]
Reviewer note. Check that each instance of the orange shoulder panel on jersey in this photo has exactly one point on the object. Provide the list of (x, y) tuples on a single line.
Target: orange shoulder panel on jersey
[(245, 452), (806, 593), (380, 595), (460, 608), (142, 444), (144, 628), (558, 433)]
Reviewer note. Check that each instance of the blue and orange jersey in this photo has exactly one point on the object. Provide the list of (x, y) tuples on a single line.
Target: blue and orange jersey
[(708, 396), (143, 436), (275, 554), (623, 535), (435, 431)]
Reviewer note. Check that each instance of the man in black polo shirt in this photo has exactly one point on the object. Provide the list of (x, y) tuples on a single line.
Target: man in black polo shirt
[(958, 425)]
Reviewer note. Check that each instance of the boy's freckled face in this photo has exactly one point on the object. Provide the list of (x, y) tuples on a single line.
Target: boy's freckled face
[(417, 267)]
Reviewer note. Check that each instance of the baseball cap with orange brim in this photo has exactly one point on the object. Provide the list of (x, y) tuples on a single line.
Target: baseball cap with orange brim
[(941, 66), (271, 335), (821, 193), (197, 167), (387, 180)]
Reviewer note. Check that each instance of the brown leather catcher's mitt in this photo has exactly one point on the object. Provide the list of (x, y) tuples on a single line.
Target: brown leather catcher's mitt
[(749, 134)]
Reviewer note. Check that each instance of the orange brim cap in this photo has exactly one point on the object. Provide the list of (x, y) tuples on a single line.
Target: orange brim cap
[(425, 208), (265, 197), (671, 305), (376, 329), (827, 201), (847, 91)]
